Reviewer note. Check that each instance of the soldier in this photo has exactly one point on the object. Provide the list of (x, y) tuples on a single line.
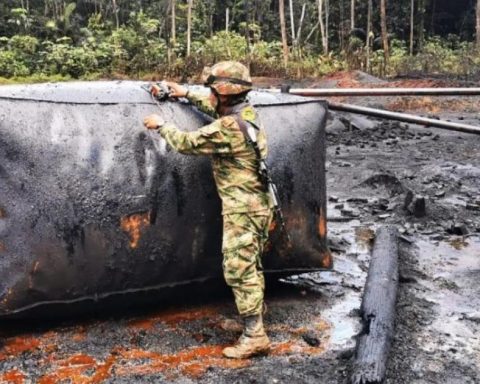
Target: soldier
[(246, 203)]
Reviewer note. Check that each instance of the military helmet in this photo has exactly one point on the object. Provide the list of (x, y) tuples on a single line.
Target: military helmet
[(228, 78)]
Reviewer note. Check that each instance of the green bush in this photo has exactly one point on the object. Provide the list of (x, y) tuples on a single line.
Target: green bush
[(12, 65), (439, 56), (224, 46), (67, 60)]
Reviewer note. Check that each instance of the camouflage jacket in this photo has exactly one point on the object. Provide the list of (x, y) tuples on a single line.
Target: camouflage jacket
[(235, 165)]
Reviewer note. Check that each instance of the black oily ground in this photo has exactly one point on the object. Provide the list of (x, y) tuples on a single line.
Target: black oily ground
[(389, 132)]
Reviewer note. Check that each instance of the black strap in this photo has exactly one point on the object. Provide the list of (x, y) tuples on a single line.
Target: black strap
[(211, 79)]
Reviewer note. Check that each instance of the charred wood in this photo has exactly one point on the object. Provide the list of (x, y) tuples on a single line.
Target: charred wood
[(378, 310)]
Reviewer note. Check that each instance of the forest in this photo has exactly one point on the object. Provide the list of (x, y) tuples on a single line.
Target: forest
[(143, 39)]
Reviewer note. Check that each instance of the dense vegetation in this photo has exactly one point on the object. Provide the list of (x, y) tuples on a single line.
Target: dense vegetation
[(62, 39)]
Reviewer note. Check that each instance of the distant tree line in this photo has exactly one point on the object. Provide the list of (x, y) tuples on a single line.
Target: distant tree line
[(274, 37)]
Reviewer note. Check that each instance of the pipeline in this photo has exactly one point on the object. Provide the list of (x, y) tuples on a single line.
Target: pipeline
[(404, 117), (333, 92)]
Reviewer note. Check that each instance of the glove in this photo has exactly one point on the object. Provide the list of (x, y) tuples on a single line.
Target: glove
[(153, 121)]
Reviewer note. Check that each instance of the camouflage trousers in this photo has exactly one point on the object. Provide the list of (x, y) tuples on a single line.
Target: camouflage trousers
[(244, 237)]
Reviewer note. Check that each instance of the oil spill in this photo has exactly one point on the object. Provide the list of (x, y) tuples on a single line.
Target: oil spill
[(174, 318), (18, 345), (13, 376), (454, 292), (62, 355)]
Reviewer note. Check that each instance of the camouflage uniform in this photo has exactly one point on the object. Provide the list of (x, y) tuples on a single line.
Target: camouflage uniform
[(246, 205)]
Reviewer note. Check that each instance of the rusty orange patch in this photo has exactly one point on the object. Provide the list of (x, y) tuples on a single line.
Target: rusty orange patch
[(432, 104), (133, 225), (79, 336), (3, 214), (174, 317), (327, 260), (2, 247), (192, 362), (19, 345), (13, 377), (295, 347), (77, 370), (322, 224)]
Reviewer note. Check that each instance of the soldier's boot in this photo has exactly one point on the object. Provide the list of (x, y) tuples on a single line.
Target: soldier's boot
[(253, 341)]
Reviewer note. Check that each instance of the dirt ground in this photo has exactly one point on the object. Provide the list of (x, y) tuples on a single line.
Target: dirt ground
[(424, 180)]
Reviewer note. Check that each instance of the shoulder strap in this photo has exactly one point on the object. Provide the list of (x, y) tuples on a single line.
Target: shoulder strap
[(249, 130)]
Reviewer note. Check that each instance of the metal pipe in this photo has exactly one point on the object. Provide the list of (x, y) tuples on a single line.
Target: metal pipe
[(331, 92), (404, 117)]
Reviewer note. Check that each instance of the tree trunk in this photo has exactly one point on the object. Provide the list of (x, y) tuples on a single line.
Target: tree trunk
[(383, 17), (432, 22), (292, 21), (115, 11), (322, 27), (352, 14), (247, 31), (227, 19), (478, 24), (327, 18), (369, 30), (412, 13), (189, 26), (342, 26), (281, 9), (299, 32), (421, 23), (173, 33)]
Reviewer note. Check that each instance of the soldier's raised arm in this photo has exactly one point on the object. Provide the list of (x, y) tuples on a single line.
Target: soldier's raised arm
[(208, 140), (198, 99)]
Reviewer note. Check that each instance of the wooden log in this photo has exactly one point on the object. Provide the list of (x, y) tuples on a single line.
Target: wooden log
[(378, 310)]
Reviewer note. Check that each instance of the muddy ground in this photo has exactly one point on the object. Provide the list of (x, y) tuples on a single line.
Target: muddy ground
[(424, 180)]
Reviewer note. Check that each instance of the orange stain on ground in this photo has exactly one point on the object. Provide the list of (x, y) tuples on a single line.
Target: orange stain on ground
[(174, 317), (12, 377), (78, 369), (192, 362), (18, 345), (79, 336), (133, 225), (78, 359), (294, 347)]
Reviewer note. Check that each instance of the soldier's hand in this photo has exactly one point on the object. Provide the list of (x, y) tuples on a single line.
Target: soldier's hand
[(154, 89), (153, 121), (176, 89)]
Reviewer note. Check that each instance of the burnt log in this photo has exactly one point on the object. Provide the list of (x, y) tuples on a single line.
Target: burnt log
[(378, 310), (93, 206)]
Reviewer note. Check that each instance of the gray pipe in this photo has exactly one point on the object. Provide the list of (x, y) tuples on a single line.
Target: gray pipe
[(331, 92), (404, 117)]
